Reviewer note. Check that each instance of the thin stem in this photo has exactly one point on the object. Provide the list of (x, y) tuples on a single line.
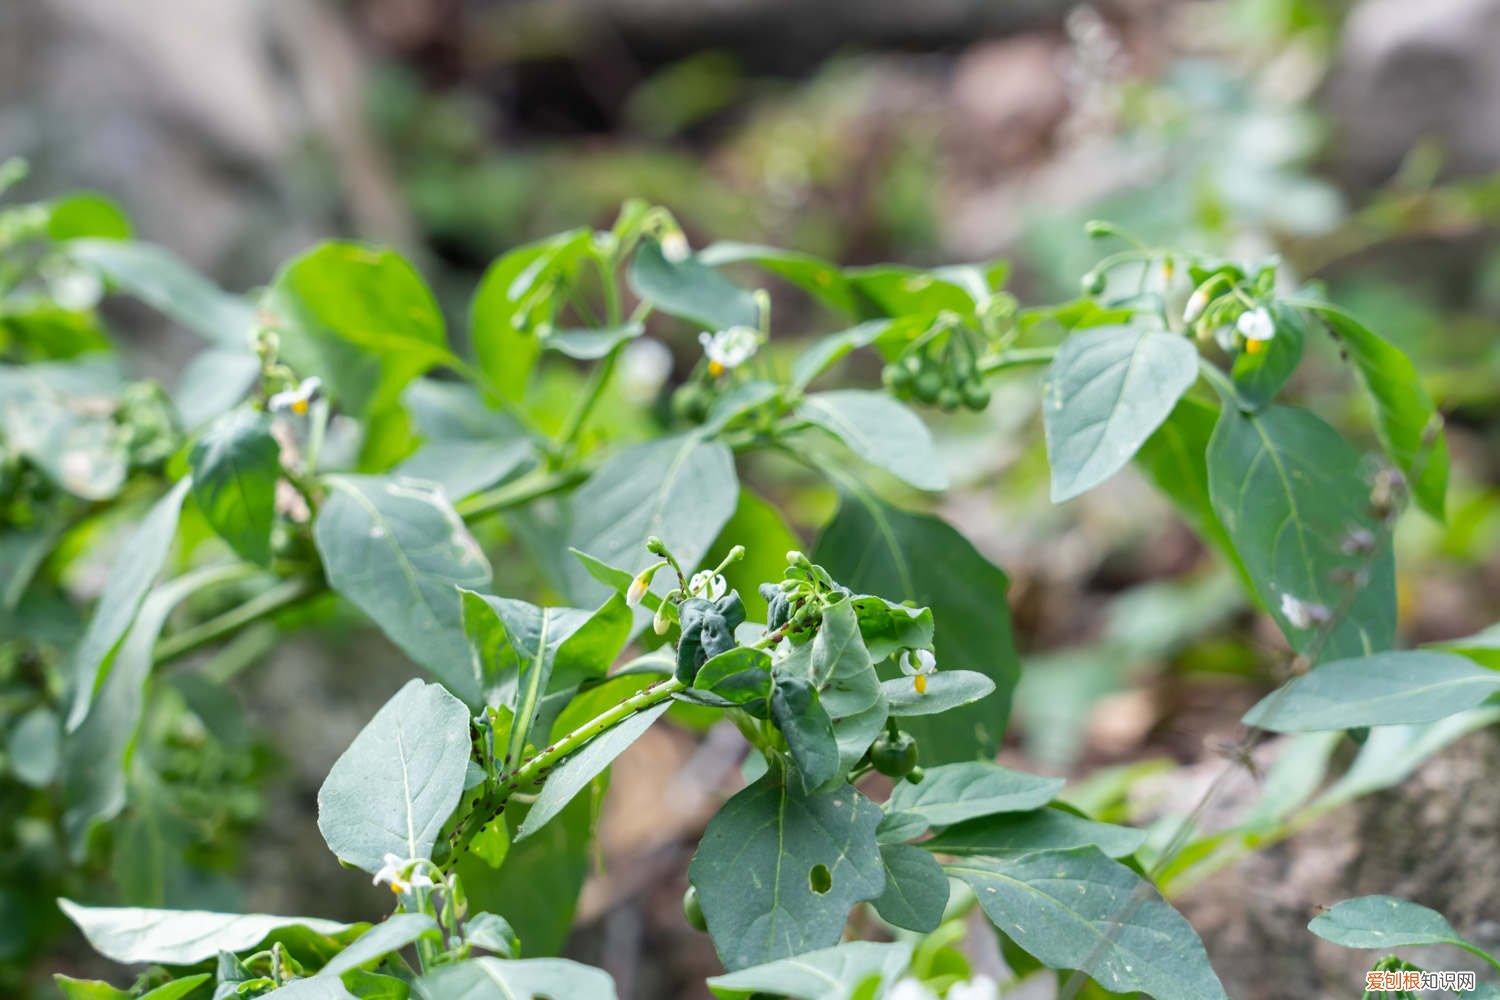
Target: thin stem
[(598, 380), (283, 595), (518, 493), (1221, 382), (1020, 357), (535, 768)]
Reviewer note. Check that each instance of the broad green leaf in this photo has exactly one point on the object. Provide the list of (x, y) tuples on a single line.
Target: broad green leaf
[(840, 664), (235, 467), (395, 932), (1382, 923), (874, 548), (778, 869), (739, 676), (1106, 392), (1411, 428), (916, 888), (34, 747), (87, 214), (467, 446), (953, 793), (87, 989), (537, 889), (97, 751), (463, 468), (132, 936), (514, 297), (519, 979), (1042, 830), (741, 400), (212, 383), (1290, 493), (881, 431), (897, 291), (315, 988), (690, 290), (1390, 754), (165, 283), (575, 774), (828, 350), (492, 932), (813, 275), (826, 974), (177, 988), (399, 781), (681, 489), (802, 719), (855, 733), (397, 550), (361, 318), (1258, 377), (946, 690), (65, 431), (1399, 687), (1077, 909), (1175, 459), (588, 344), (140, 560)]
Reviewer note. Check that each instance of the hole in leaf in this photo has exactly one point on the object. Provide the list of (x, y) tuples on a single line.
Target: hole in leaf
[(819, 880)]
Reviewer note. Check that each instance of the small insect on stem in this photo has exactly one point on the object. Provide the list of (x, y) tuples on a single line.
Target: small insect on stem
[(1241, 754)]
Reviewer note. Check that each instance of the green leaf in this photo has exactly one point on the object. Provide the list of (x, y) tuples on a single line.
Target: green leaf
[(1175, 459), (140, 560), (953, 793), (1482, 647), (60, 428), (519, 979), (315, 988), (591, 345), (1042, 830), (1411, 429), (235, 467), (467, 446), (828, 350), (840, 665), (946, 690), (361, 318), (575, 774), (165, 283), (881, 431), (799, 714), (1399, 687), (739, 676), (877, 549), (515, 295), (893, 290), (132, 936), (1259, 377), (742, 399), (778, 869), (395, 932), (826, 974), (916, 888), (396, 549), (681, 489), (97, 752), (1106, 392), (1077, 909), (492, 933), (813, 275), (87, 214), (1382, 923), (690, 290), (87, 989), (396, 785), (34, 747), (1290, 493)]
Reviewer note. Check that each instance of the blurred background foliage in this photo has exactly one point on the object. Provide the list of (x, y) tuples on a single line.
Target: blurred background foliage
[(1358, 140)]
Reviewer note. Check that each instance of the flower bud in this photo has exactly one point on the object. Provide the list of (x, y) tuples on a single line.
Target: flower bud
[(638, 587), (1196, 304), (656, 546), (661, 622), (796, 558)]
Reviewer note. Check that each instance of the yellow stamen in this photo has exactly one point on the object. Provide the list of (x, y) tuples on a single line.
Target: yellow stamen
[(715, 369), (397, 886), (920, 683), (1254, 346), (299, 406)]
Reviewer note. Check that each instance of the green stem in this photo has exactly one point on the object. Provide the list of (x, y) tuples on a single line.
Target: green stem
[(1221, 382), (1021, 357), (284, 594), (598, 380), (534, 770), (518, 493), (1475, 950)]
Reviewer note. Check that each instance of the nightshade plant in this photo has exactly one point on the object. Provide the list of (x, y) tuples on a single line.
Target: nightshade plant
[(332, 439)]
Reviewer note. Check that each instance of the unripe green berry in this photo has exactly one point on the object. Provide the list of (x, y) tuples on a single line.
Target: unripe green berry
[(692, 910), (894, 756), (976, 394), (927, 385), (948, 398)]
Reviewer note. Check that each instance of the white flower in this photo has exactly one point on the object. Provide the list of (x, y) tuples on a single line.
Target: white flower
[(910, 989), (924, 665), (1256, 326), (978, 988), (401, 874), (1302, 614), (296, 399), (674, 246), (708, 585), (644, 366), (642, 583), (729, 348)]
